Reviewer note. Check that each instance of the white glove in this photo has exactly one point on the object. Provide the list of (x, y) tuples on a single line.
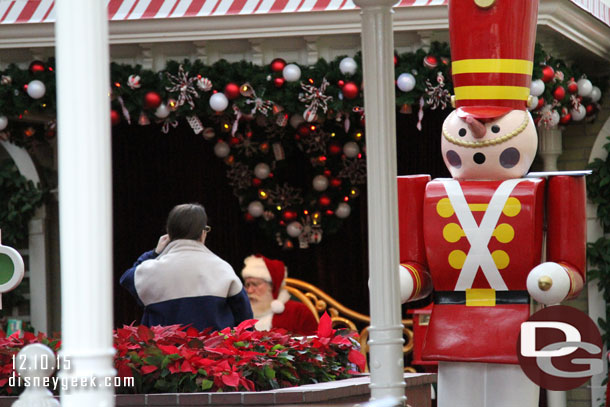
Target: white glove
[(548, 283), (406, 284), (163, 241)]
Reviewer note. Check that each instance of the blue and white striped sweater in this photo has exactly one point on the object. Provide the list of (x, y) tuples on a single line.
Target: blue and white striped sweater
[(187, 284)]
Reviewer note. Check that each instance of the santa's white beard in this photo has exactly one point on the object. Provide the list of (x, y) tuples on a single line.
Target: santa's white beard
[(261, 305)]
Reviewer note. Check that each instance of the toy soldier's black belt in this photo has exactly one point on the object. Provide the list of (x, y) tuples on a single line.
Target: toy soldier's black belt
[(481, 297)]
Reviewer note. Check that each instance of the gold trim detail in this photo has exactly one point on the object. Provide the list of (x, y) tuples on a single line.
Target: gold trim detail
[(480, 297), (492, 142), (516, 66), (492, 92)]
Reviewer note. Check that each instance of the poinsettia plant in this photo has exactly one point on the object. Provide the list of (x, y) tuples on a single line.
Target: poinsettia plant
[(180, 359)]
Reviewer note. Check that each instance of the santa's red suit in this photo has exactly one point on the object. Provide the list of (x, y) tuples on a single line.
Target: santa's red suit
[(283, 313)]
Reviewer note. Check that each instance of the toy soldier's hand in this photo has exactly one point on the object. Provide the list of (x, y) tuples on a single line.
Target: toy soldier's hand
[(415, 282), (163, 241), (549, 283)]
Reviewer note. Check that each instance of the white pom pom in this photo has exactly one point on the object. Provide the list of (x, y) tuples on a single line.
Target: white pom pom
[(277, 306)]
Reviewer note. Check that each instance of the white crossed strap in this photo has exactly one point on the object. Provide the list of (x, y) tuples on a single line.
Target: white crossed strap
[(479, 235)]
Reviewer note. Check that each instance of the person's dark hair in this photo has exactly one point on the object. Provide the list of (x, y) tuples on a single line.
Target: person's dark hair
[(186, 221)]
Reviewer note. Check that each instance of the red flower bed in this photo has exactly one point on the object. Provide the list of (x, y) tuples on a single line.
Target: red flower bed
[(175, 359)]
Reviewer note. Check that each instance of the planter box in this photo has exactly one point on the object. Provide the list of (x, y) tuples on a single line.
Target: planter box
[(339, 393)]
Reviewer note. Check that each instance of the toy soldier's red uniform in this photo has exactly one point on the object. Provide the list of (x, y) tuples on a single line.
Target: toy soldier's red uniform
[(480, 292)]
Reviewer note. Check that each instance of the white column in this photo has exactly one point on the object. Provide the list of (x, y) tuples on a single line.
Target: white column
[(85, 204), (385, 333), (39, 281), (550, 146)]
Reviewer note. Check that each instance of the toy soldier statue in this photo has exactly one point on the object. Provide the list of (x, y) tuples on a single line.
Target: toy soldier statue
[(483, 236)]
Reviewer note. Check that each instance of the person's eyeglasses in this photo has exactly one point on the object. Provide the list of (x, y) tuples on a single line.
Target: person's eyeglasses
[(207, 229), (255, 283)]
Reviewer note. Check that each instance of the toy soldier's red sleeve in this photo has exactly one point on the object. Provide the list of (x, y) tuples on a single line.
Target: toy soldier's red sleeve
[(567, 228), (411, 190)]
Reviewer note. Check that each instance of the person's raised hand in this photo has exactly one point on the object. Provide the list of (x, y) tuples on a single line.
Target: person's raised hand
[(163, 241)]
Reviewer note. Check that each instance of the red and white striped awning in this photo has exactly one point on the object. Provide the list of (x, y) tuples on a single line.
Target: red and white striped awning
[(42, 11)]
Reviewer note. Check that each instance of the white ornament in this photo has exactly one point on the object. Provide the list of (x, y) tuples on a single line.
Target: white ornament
[(348, 66), (320, 183), (554, 118), (256, 208), (291, 73), (596, 94), (584, 87), (36, 89), (406, 82), (294, 229), (296, 119), (219, 102), (162, 111), (261, 171), (3, 122), (351, 149), (343, 210), (222, 149), (133, 81), (533, 103), (537, 87), (578, 114)]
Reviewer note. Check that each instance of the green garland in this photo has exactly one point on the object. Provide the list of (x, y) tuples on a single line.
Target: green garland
[(20, 199), (598, 252), (261, 133)]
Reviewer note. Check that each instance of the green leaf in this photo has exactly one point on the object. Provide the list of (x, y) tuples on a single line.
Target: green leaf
[(206, 384)]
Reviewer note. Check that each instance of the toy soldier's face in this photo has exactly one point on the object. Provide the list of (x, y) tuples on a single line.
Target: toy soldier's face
[(497, 149)]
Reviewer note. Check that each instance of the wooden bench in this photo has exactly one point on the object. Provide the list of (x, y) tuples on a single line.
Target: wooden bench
[(319, 302)]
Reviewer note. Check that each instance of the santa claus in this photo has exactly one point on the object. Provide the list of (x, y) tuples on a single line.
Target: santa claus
[(271, 303)]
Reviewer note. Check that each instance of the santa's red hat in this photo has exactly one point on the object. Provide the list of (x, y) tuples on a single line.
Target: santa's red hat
[(272, 271)]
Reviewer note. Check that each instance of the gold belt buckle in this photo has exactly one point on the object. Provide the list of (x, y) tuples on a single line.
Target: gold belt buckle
[(480, 297)]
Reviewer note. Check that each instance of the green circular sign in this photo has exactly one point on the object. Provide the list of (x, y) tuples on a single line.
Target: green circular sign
[(7, 268)]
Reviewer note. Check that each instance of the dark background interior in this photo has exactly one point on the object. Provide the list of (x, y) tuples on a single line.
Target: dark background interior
[(153, 171)]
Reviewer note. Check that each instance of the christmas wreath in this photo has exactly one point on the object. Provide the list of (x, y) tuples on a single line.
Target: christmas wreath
[(264, 120)]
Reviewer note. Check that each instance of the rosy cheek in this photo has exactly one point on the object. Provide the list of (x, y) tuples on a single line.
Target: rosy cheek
[(453, 159), (510, 157)]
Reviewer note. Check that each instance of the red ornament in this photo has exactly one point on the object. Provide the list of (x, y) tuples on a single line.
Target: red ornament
[(115, 117), (430, 62), (334, 149), (327, 173), (232, 91), (289, 215), (234, 141), (395, 59), (340, 83), (350, 90), (540, 103), (565, 119), (335, 182), (572, 86), (303, 130), (324, 200), (279, 82), (277, 65), (248, 217), (152, 100), (36, 67), (559, 93), (548, 73), (590, 109), (256, 182)]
